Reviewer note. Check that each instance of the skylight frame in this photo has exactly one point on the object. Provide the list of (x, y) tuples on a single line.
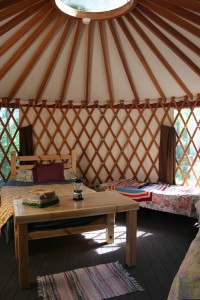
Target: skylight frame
[(104, 15)]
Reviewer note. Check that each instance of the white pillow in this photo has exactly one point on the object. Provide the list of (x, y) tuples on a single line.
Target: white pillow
[(197, 205), (24, 175), (68, 174)]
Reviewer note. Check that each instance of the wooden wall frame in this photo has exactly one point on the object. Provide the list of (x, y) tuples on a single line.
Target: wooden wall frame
[(129, 142)]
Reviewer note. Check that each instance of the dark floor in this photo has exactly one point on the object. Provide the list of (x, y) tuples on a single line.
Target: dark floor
[(163, 240)]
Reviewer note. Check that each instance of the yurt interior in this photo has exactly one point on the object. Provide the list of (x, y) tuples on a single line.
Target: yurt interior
[(100, 149)]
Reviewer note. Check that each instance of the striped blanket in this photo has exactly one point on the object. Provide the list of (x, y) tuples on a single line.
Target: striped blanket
[(139, 191)]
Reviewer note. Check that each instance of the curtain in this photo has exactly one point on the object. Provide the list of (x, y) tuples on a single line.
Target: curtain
[(26, 141), (167, 154)]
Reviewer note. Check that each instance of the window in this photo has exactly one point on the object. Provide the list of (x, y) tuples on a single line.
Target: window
[(188, 146), (94, 10), (9, 139), (93, 6)]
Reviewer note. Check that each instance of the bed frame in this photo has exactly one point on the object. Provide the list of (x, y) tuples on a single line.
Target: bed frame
[(68, 159), (105, 223)]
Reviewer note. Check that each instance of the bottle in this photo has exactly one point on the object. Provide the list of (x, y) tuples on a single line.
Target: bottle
[(78, 189)]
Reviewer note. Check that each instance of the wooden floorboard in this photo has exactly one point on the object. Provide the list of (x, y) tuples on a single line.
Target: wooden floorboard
[(163, 240)]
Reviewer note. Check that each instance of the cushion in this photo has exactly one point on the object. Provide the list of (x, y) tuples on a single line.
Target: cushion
[(49, 173), (197, 205), (24, 175), (68, 174)]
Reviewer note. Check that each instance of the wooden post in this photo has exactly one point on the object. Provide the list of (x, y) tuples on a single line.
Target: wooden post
[(16, 238), (73, 154), (131, 230), (23, 256), (13, 165), (110, 228)]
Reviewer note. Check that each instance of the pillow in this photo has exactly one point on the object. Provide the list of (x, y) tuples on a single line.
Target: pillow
[(49, 173), (24, 175), (197, 205), (68, 174)]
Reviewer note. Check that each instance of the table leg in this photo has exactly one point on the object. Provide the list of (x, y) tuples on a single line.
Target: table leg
[(16, 238), (131, 230), (23, 256), (110, 228)]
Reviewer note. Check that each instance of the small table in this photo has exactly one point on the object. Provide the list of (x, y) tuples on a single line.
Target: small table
[(102, 203)]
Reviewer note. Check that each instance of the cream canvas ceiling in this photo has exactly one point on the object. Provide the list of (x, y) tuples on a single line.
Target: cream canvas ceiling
[(151, 52)]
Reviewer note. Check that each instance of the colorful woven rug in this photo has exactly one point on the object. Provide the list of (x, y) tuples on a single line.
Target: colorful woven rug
[(92, 283)]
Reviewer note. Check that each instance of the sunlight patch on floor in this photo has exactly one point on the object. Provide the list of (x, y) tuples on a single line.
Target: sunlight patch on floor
[(107, 248), (141, 233), (99, 236)]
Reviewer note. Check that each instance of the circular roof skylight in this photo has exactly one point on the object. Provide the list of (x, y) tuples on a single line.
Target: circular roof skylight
[(94, 6), (101, 9)]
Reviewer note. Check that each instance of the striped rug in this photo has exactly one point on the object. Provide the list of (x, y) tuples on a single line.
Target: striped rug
[(92, 283)]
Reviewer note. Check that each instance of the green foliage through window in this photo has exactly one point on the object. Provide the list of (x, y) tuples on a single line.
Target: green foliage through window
[(187, 150), (9, 139)]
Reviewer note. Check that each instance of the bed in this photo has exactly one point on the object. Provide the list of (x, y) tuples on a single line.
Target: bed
[(158, 196), (44, 173)]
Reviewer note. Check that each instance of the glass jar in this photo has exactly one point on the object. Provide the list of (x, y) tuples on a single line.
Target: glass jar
[(78, 189)]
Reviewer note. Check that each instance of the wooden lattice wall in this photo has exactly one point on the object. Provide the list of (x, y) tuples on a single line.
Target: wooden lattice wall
[(112, 141)]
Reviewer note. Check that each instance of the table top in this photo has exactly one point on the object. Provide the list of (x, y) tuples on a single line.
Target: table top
[(93, 204)]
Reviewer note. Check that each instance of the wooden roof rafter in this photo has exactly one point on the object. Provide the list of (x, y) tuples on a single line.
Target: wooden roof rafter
[(141, 57), (88, 63), (123, 58), (15, 9), (54, 58), (181, 12), (6, 3), (29, 23), (192, 5), (70, 62), (27, 43), (167, 42), (168, 28), (158, 54), (22, 16), (172, 17), (24, 29), (106, 60), (35, 56)]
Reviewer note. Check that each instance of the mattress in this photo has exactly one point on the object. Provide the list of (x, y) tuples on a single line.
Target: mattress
[(158, 196)]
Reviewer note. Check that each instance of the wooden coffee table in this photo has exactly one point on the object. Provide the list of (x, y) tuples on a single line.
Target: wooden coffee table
[(100, 203)]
